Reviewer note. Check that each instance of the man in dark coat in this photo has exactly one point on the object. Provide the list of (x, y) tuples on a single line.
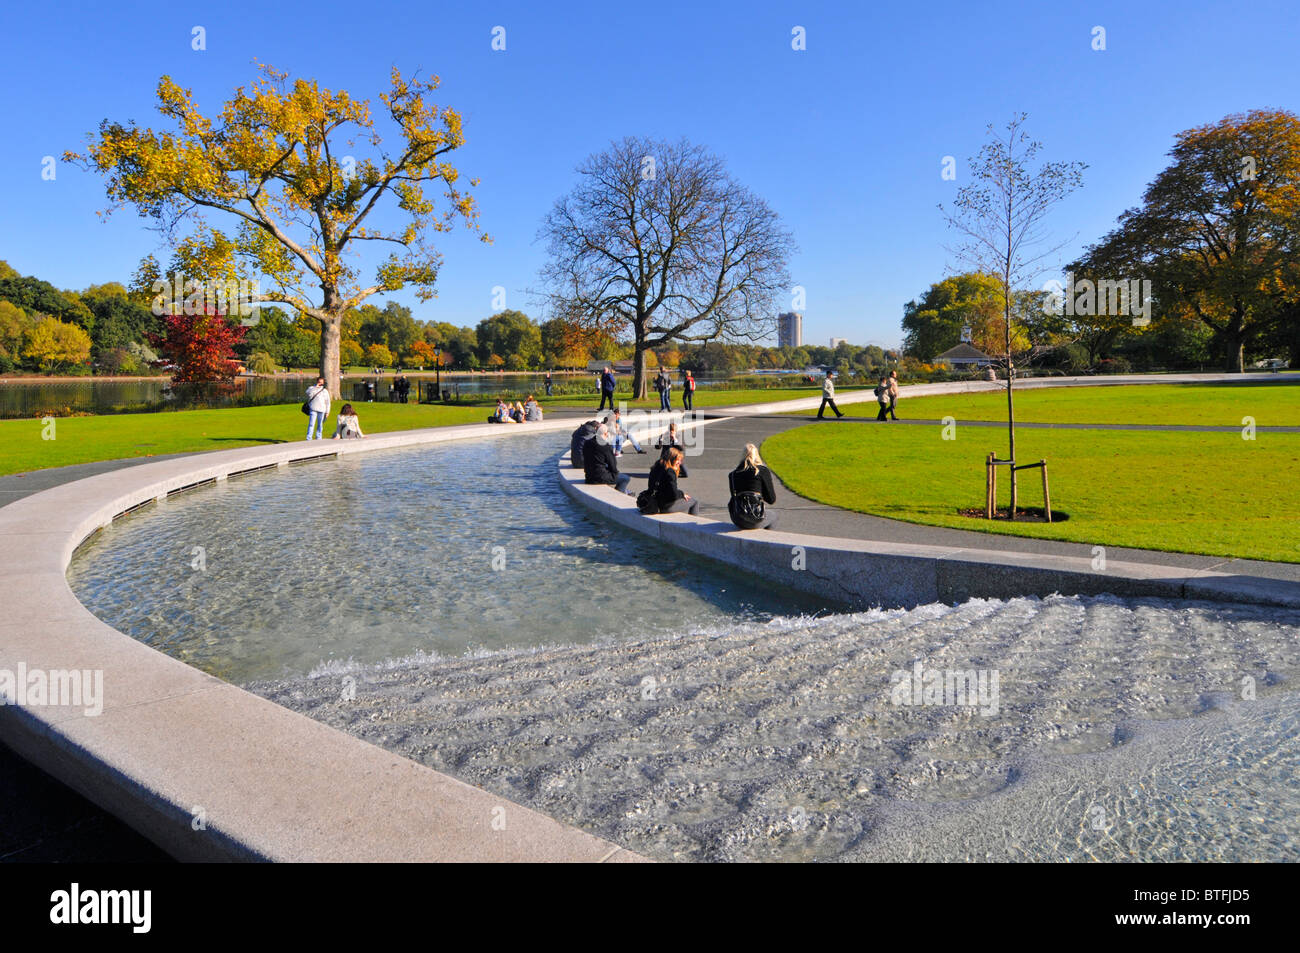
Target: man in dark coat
[(579, 440), (607, 387), (599, 465)]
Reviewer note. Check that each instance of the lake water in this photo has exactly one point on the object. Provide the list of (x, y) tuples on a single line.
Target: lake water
[(32, 397)]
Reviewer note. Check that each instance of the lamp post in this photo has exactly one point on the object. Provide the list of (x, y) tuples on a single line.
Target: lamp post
[(437, 367)]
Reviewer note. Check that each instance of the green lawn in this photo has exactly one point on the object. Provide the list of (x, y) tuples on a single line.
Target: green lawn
[(1210, 493), (111, 436), (1272, 405), (85, 439)]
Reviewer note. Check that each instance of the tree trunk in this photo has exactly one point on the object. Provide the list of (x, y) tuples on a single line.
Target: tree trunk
[(640, 385), (330, 335), (1011, 407)]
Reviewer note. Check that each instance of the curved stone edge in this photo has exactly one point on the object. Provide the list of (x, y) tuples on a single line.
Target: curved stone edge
[(173, 744), (875, 573)]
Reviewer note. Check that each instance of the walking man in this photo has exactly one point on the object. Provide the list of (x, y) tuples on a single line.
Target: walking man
[(607, 385), (688, 392), (548, 383), (318, 406), (828, 396)]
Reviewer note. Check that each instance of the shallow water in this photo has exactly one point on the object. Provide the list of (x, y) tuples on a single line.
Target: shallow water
[(1121, 734), (455, 548), (688, 713)]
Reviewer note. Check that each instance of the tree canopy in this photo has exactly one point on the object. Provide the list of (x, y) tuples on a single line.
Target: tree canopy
[(274, 163)]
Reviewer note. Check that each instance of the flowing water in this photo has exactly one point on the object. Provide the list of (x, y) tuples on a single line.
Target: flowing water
[(689, 713)]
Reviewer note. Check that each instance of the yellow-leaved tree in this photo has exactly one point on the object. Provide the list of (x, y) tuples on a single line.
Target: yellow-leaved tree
[(57, 345), (280, 163)]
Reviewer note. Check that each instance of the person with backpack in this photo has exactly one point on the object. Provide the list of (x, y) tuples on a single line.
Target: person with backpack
[(598, 463), (663, 494), (317, 408), (828, 396), (882, 398), (607, 388), (751, 492), (688, 392)]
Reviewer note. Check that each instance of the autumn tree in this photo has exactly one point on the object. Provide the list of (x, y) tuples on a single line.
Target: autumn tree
[(202, 346), (1001, 217), (56, 345), (1218, 231), (278, 163), (659, 243)]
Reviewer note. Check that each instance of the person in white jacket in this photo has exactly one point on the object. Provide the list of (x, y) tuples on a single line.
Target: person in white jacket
[(348, 426), (318, 405), (828, 396)]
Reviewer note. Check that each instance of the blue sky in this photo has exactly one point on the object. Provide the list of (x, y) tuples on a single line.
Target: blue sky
[(844, 139)]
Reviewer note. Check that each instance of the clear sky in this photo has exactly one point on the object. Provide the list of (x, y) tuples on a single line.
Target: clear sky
[(844, 139)]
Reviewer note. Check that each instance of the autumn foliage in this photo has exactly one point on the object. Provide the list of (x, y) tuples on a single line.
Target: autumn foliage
[(201, 346)]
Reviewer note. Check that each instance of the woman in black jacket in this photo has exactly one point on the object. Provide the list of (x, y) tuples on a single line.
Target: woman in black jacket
[(751, 492), (663, 485)]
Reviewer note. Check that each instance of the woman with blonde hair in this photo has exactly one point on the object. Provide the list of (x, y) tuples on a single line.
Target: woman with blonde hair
[(751, 491)]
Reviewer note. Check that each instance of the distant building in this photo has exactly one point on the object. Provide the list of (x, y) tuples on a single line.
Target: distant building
[(836, 342), (789, 329), (963, 355)]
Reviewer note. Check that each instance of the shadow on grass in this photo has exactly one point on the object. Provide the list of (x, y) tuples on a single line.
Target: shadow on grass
[(247, 439)]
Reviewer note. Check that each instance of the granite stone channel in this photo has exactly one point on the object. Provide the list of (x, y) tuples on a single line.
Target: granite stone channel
[(450, 604)]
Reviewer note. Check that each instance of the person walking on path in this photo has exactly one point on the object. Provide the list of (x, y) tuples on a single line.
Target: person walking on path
[(893, 394), (318, 407), (688, 392), (751, 492), (882, 398), (548, 383), (599, 465), (668, 498), (607, 386), (828, 396)]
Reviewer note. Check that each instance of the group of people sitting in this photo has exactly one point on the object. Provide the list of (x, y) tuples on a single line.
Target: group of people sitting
[(595, 448), (519, 413)]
